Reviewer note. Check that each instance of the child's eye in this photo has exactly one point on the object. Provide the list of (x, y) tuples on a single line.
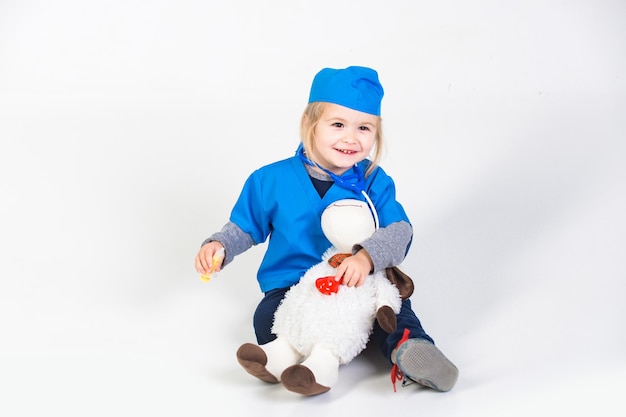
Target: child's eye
[(337, 124), (364, 128)]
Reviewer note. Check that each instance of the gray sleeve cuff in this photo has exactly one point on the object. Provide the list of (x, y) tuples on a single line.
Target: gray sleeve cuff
[(388, 246), (234, 240)]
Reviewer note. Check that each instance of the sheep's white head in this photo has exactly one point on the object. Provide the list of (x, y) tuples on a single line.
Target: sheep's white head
[(346, 223)]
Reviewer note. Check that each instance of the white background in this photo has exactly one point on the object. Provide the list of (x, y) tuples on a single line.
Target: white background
[(128, 128)]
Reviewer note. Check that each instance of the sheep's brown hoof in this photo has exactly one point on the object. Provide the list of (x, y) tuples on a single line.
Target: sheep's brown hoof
[(253, 359), (300, 379)]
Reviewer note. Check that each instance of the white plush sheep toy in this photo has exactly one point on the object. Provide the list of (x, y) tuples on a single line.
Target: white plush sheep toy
[(318, 329)]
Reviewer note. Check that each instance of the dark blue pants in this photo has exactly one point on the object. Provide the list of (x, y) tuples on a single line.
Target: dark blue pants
[(406, 319)]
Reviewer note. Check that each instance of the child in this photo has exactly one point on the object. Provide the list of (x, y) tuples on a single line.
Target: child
[(340, 126)]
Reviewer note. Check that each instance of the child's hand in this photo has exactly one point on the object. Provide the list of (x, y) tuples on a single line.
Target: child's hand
[(204, 258), (354, 269)]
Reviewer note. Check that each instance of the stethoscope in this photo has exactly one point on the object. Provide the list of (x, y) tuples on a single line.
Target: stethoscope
[(354, 181)]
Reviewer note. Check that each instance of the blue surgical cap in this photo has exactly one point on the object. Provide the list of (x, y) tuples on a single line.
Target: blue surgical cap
[(357, 88)]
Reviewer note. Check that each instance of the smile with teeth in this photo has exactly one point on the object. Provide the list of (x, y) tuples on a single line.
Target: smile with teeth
[(346, 151)]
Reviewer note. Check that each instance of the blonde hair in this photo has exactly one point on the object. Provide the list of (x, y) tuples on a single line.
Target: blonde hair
[(311, 117)]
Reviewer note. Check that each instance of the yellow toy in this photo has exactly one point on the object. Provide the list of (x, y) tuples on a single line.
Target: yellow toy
[(217, 259)]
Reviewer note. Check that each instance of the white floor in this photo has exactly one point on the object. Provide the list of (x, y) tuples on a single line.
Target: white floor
[(127, 129), (549, 341)]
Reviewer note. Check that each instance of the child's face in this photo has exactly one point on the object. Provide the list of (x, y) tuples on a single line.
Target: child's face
[(343, 137)]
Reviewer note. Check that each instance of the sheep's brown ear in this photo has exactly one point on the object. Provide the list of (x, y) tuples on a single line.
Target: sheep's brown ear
[(402, 281)]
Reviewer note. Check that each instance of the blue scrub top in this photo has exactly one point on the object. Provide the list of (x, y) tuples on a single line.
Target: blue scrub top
[(279, 201)]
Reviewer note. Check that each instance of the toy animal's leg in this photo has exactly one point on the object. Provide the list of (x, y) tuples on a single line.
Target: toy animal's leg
[(316, 375), (267, 362)]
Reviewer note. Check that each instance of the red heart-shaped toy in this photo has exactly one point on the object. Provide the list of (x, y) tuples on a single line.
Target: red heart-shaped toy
[(327, 285)]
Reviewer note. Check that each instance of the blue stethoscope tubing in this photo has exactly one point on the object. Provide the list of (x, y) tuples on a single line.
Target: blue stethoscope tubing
[(354, 181)]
